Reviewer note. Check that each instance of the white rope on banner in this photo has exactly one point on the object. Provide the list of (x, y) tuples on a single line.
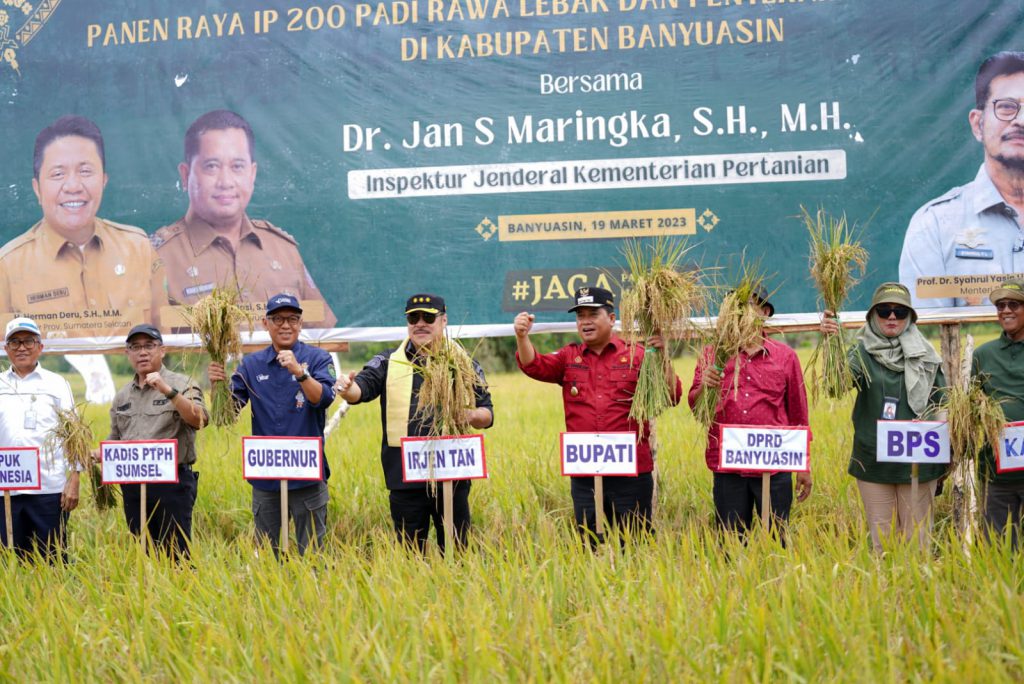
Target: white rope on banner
[(99, 383)]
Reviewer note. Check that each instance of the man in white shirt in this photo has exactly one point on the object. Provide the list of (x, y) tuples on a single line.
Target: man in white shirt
[(29, 399)]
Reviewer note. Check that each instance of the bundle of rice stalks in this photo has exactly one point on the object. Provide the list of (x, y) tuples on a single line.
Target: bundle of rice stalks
[(660, 300), (448, 389), (217, 319), (837, 263), (739, 326), (75, 437), (974, 419)]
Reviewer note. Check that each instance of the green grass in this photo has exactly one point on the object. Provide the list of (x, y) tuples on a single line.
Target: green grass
[(527, 603)]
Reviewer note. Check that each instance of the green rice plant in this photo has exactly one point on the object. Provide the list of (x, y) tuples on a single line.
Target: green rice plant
[(217, 320), (661, 297), (837, 262), (526, 602), (74, 436), (739, 326)]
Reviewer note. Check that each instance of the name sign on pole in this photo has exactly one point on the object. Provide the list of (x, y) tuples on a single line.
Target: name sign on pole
[(20, 468), (765, 449), (1011, 448), (441, 459), (912, 441), (599, 453), (282, 458), (139, 462)]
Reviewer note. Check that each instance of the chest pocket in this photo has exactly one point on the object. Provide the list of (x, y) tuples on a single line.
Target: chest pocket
[(576, 385), (624, 380)]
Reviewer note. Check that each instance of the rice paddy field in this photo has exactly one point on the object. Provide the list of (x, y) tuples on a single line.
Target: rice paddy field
[(526, 603)]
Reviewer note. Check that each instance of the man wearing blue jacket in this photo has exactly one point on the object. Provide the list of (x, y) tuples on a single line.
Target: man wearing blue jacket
[(290, 385)]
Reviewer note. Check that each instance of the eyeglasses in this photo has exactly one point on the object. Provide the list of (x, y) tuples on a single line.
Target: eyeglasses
[(415, 316), (22, 344), (292, 320), (1006, 110), (1008, 305), (148, 346), (900, 312)]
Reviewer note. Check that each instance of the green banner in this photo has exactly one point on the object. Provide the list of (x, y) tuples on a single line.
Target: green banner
[(497, 152)]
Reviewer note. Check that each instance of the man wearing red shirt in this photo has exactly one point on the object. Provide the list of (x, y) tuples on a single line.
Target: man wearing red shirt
[(598, 379), (770, 393)]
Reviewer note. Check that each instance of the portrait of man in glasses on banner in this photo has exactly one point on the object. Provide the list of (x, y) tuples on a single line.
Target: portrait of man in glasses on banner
[(976, 229)]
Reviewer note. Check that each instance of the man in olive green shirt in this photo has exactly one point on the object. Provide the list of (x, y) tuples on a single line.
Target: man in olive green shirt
[(160, 404), (999, 365)]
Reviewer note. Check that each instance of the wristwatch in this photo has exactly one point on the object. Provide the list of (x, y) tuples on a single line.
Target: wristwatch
[(173, 393), (303, 377)]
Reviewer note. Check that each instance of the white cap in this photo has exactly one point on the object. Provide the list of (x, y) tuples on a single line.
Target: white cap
[(22, 324)]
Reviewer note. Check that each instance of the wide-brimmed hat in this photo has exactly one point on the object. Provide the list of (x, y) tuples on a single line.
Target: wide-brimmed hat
[(1010, 289), (892, 293)]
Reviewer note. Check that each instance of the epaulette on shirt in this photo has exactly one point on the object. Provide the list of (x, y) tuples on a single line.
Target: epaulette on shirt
[(123, 227), (20, 241), (166, 233), (948, 196), (267, 225)]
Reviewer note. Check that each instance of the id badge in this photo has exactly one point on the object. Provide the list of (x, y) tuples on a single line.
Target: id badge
[(30, 420), (889, 408)]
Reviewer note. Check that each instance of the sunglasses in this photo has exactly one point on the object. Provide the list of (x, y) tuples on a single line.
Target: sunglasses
[(1007, 304), (900, 312), (415, 316)]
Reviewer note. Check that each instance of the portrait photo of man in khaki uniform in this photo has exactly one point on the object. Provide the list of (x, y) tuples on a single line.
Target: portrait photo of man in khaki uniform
[(216, 243), (76, 274)]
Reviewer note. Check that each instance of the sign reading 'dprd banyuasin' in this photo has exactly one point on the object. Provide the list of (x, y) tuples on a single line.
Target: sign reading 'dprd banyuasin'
[(136, 462), (282, 458), (19, 468), (912, 441), (765, 449), (599, 453), (439, 459), (1011, 448)]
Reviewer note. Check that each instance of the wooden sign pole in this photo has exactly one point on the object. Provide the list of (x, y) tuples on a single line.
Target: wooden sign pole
[(915, 472), (766, 498), (284, 516), (143, 520), (8, 518), (599, 504), (448, 492)]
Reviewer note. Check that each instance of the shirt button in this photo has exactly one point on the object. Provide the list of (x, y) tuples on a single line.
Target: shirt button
[(92, 302)]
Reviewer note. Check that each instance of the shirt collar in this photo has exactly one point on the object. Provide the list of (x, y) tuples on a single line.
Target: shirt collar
[(163, 373), (1005, 342), (55, 244), (985, 195), (766, 348), (270, 356), (201, 234), (616, 345), (17, 378)]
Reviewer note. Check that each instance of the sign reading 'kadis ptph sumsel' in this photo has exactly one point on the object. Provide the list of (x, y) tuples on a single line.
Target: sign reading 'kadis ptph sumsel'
[(136, 462)]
